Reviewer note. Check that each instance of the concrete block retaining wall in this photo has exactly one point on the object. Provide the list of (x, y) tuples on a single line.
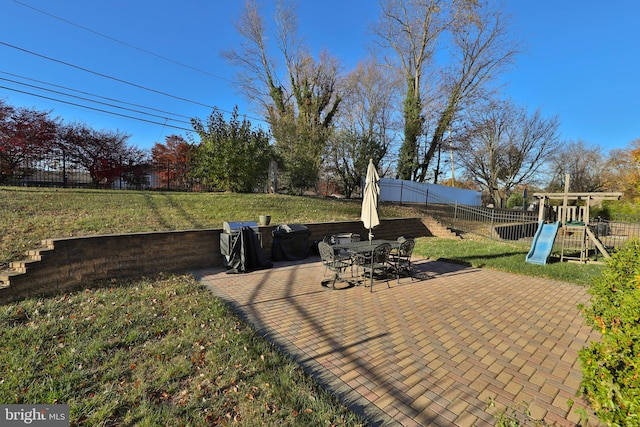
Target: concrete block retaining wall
[(74, 263)]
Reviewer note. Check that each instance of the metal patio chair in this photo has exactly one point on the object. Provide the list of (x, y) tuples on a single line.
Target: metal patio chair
[(333, 262), (401, 257), (377, 263)]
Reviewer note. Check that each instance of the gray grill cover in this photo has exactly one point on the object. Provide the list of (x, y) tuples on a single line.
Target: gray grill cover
[(246, 253), (290, 242)]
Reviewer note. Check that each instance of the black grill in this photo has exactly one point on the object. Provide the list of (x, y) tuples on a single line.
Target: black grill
[(231, 231)]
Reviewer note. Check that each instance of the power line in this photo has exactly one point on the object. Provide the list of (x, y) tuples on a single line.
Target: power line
[(91, 100), (120, 80), (104, 75), (92, 94), (95, 109), (148, 52)]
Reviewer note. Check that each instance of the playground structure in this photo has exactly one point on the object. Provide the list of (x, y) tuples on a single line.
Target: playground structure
[(571, 223)]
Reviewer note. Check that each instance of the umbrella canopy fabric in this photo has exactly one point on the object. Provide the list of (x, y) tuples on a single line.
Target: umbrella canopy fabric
[(369, 215)]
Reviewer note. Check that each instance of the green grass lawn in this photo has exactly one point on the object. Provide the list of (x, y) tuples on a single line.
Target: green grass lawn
[(28, 215), (153, 353), (164, 351), (504, 256)]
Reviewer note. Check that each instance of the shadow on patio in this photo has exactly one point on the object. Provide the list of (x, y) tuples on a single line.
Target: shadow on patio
[(432, 350)]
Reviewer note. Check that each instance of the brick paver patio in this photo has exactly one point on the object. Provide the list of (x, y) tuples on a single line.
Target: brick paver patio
[(430, 351)]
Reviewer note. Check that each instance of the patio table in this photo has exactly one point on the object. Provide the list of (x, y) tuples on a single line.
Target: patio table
[(365, 247)]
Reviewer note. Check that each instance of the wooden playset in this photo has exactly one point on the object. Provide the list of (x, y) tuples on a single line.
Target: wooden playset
[(569, 222)]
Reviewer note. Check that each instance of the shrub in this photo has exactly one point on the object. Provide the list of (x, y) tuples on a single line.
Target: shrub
[(611, 366), (515, 200), (233, 156), (601, 212)]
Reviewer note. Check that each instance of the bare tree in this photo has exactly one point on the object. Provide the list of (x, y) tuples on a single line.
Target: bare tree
[(297, 94), (503, 147), (366, 124), (410, 29), (584, 164), (480, 48)]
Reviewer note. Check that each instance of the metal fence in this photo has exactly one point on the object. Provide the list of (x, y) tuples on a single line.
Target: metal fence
[(493, 223), (56, 172), (614, 233), (519, 225), (501, 224)]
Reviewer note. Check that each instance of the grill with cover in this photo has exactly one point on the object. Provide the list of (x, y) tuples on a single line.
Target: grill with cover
[(290, 242), (230, 232), (241, 247)]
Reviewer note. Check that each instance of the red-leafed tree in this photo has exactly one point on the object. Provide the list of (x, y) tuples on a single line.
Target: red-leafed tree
[(26, 136), (171, 161), (104, 154)]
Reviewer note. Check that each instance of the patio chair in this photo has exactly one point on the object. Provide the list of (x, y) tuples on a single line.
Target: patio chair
[(329, 239), (333, 262), (401, 257), (377, 264), (343, 255)]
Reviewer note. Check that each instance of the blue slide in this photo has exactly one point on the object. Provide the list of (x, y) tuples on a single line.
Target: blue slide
[(542, 243)]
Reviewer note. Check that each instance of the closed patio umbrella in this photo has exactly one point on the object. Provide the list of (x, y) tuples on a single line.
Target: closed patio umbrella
[(369, 215)]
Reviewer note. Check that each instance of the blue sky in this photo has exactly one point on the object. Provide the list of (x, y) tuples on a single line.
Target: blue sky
[(580, 60)]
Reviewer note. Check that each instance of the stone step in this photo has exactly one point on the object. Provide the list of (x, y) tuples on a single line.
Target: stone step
[(5, 278), (19, 267), (38, 254), (22, 266), (19, 270), (439, 230), (47, 244)]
